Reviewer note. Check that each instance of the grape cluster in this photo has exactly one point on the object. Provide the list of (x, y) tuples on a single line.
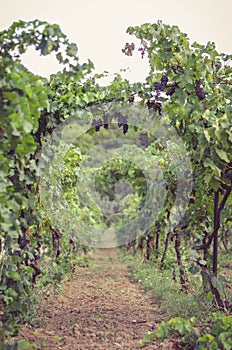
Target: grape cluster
[(160, 86), (131, 99), (172, 89), (199, 90), (151, 104), (122, 122), (125, 128), (97, 124)]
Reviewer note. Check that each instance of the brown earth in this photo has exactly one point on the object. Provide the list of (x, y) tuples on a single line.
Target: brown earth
[(99, 309)]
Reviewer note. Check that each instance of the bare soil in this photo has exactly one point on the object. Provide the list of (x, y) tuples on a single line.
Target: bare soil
[(99, 309)]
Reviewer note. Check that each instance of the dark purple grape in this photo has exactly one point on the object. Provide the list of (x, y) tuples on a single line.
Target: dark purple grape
[(162, 84), (171, 91), (164, 81), (125, 128), (150, 104), (155, 105), (157, 86), (97, 123), (199, 90)]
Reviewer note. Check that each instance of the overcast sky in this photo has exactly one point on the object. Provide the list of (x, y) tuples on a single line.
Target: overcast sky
[(99, 27)]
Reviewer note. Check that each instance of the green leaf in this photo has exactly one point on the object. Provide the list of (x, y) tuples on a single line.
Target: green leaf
[(223, 155), (27, 126), (71, 49), (14, 275), (207, 135), (193, 255), (162, 331), (205, 338), (29, 91), (24, 345), (209, 163), (203, 262), (59, 57), (149, 337)]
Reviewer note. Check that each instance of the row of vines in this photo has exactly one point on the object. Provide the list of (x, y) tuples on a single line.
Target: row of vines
[(188, 87)]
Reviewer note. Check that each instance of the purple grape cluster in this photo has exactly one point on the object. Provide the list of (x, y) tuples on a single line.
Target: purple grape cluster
[(199, 90), (154, 105), (160, 86), (172, 89), (122, 122), (97, 124)]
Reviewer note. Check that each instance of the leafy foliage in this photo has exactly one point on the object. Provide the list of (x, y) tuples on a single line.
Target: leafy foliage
[(190, 86), (189, 334), (25, 112)]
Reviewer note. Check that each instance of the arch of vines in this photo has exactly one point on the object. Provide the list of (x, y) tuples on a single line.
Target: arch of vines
[(188, 84)]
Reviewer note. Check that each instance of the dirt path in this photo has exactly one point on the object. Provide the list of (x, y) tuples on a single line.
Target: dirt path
[(99, 309)]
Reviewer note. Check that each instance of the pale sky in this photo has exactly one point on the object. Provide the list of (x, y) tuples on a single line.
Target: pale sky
[(99, 27)]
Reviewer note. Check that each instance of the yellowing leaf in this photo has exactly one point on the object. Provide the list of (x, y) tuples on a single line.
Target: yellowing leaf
[(223, 155), (207, 135)]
